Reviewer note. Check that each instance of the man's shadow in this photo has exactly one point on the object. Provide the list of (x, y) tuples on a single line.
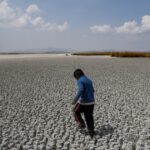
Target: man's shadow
[(104, 130)]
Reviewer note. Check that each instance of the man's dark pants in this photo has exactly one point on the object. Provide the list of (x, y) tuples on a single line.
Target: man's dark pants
[(88, 114)]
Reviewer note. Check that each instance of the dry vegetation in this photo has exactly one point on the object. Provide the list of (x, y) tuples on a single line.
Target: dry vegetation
[(115, 54)]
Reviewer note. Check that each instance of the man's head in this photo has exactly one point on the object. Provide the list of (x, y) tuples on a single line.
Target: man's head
[(78, 73)]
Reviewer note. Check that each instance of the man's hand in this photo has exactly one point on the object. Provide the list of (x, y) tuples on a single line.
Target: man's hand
[(73, 103)]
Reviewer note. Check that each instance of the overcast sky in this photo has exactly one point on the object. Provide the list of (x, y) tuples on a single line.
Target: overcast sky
[(75, 24)]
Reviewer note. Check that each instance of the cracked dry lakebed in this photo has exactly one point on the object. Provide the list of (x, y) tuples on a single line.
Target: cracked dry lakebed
[(36, 95)]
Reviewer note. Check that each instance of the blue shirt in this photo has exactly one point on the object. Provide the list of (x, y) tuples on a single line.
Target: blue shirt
[(85, 90)]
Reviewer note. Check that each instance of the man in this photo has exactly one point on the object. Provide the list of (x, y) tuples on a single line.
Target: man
[(84, 102)]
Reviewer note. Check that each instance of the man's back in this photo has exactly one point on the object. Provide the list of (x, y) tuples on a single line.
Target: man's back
[(86, 89)]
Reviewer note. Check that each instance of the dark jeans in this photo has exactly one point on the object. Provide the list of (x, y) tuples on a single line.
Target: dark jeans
[(88, 114)]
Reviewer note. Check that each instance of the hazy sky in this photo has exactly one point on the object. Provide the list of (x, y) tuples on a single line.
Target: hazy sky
[(75, 24)]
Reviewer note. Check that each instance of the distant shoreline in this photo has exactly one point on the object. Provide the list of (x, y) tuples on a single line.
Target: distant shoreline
[(17, 53), (58, 54), (38, 56), (33, 55)]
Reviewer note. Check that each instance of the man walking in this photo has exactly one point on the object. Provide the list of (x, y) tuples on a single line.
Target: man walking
[(84, 102)]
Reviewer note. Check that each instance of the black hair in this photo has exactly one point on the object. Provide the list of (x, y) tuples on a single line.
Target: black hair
[(78, 73)]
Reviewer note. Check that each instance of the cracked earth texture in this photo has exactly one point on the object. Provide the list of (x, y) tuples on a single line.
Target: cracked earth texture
[(36, 95)]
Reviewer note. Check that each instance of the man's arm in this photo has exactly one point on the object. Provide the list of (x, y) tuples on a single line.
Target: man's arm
[(80, 92)]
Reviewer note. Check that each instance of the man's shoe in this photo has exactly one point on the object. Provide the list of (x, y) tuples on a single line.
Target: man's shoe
[(92, 133)]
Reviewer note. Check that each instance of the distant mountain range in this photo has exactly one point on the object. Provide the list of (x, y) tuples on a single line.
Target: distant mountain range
[(38, 50), (58, 51)]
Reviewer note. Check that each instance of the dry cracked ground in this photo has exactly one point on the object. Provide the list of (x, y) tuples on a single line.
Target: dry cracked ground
[(35, 97)]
